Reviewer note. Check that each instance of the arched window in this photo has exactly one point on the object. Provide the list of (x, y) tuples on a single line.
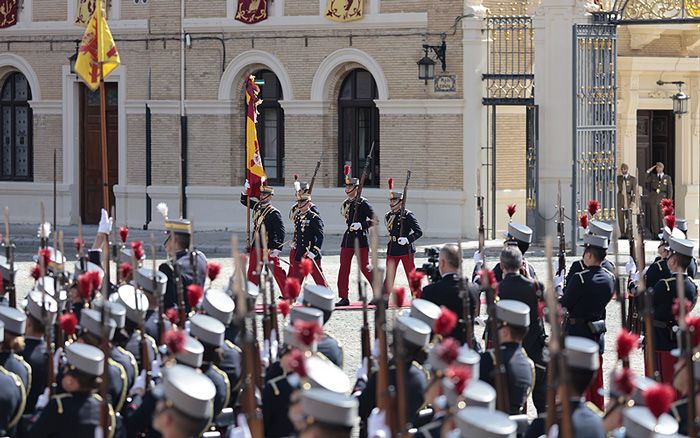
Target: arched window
[(16, 122), (358, 125), (271, 127)]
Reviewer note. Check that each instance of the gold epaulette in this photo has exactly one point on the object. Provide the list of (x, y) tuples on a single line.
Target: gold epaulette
[(273, 383), (59, 401), (595, 409), (112, 416), (667, 281), (132, 359), (28, 368), (228, 384), (233, 346)]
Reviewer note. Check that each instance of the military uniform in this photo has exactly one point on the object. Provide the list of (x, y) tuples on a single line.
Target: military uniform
[(626, 190), (308, 237), (210, 332), (446, 293), (12, 401), (400, 225), (276, 402), (520, 373), (186, 275), (521, 236), (15, 322), (320, 298), (660, 187), (36, 355), (657, 271)]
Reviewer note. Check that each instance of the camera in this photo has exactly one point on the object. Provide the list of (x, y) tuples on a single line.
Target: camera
[(430, 269)]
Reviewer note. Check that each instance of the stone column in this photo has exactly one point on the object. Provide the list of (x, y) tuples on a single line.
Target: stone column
[(687, 178)]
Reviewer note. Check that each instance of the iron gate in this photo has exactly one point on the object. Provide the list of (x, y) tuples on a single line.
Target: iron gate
[(595, 120)]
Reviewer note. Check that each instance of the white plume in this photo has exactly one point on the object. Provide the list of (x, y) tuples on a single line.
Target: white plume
[(44, 230), (297, 186), (163, 209)]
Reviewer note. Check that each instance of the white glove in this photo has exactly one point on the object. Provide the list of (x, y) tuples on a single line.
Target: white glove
[(275, 253), (558, 281), (361, 372), (139, 386), (105, 226), (631, 267), (477, 260), (310, 255), (634, 276), (355, 226), (155, 368), (57, 359), (375, 349), (240, 431), (293, 245), (402, 241), (43, 399), (376, 425), (274, 345), (265, 354), (44, 230), (479, 320)]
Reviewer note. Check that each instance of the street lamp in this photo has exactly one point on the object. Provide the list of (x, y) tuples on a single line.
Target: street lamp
[(680, 99), (74, 57), (426, 65)]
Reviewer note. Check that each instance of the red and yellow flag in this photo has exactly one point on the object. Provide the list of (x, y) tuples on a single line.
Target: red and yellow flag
[(255, 172), (97, 48), (83, 11)]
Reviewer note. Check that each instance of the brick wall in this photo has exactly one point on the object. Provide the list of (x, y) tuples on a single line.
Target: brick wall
[(136, 149), (47, 138), (387, 6), (208, 144), (301, 7), (50, 10), (210, 8), (510, 149)]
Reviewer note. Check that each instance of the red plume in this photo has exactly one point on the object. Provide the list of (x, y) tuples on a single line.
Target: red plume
[(123, 233), (446, 322), (85, 286), (593, 207), (78, 244), (676, 308), (540, 308), (45, 254), (213, 270), (194, 294), (172, 315), (68, 322), (670, 222), (624, 381), (95, 280), (511, 210), (694, 327), (658, 398), (307, 332), (283, 308), (448, 350), (175, 341), (459, 375), (125, 270), (305, 267), (490, 277), (297, 362), (346, 170), (296, 177), (666, 203), (667, 211), (292, 288), (415, 283), (400, 293), (137, 249), (36, 272), (391, 183), (626, 342), (583, 221)]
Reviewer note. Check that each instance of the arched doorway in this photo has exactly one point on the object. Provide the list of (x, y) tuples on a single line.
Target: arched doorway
[(16, 124), (270, 126)]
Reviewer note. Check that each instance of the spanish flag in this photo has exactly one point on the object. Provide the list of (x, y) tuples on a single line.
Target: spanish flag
[(97, 47), (255, 172)]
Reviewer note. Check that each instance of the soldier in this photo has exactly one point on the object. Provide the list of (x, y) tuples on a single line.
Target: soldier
[(210, 332), (585, 298), (515, 286), (626, 190), (596, 228), (403, 231), (135, 303), (153, 285), (265, 213), (184, 406), (308, 238), (329, 414), (663, 295), (658, 270), (321, 298), (359, 217), (35, 351), (117, 313), (76, 412), (682, 225), (514, 320), (518, 235), (660, 187), (12, 397), (6, 274), (15, 324)]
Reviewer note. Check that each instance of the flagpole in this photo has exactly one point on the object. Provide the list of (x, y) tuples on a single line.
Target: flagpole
[(103, 114)]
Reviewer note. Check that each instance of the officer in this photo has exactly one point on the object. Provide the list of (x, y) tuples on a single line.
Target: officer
[(191, 266), (660, 187), (153, 285), (682, 225), (76, 412), (626, 190), (586, 419), (476, 422), (35, 351), (307, 240), (265, 213), (359, 217), (516, 286), (321, 298), (663, 296), (416, 335), (184, 406), (514, 319), (15, 324), (658, 269), (327, 414), (12, 397), (585, 298), (403, 230), (519, 235), (596, 228), (135, 302), (210, 332), (117, 313)]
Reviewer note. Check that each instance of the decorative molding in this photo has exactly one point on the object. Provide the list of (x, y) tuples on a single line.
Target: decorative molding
[(21, 64), (305, 107), (156, 106), (420, 106), (44, 107), (38, 28), (657, 64), (208, 107), (248, 58), (327, 68)]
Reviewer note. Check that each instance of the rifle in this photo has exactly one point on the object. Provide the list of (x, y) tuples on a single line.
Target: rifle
[(143, 343), (401, 386), (10, 257), (161, 304), (364, 331), (272, 306), (502, 400), (266, 322), (358, 197), (402, 212), (561, 256), (649, 350), (105, 422), (60, 340), (686, 347), (466, 303), (82, 259), (182, 311), (633, 322), (193, 255), (313, 178), (480, 209), (557, 362), (50, 375), (619, 296)]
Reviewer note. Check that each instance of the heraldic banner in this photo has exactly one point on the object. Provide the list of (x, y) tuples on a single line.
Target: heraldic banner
[(83, 12), (251, 11), (8, 13), (344, 10)]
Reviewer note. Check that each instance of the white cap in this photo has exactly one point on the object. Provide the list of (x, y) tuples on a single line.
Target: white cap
[(425, 310), (641, 423), (476, 422), (581, 353), (36, 301), (207, 329), (328, 407), (513, 312), (414, 330), (219, 304), (189, 392), (192, 354), (128, 296), (324, 374), (15, 320)]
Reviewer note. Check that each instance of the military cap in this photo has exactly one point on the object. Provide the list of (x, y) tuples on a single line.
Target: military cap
[(36, 301), (252, 290), (393, 195), (414, 330), (178, 226), (2, 331), (188, 391), (330, 408), (681, 246), (144, 280), (319, 297), (15, 320), (471, 359), (475, 422), (219, 304), (349, 179), (640, 384), (115, 311), (85, 358), (56, 259), (600, 228), (307, 314), (207, 329), (479, 394), (666, 234), (639, 422), (519, 232), (425, 310), (5, 268), (89, 267), (301, 189), (291, 339), (513, 312), (267, 190), (91, 321), (595, 241), (134, 301), (192, 354), (47, 284), (581, 353), (324, 374), (682, 224), (126, 255)]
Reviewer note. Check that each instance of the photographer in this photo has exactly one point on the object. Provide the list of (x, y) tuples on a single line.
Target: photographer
[(445, 292)]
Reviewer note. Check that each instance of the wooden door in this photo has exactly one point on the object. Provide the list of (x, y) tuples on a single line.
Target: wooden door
[(91, 153)]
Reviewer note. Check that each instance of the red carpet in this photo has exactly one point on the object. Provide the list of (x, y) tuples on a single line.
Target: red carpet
[(355, 305)]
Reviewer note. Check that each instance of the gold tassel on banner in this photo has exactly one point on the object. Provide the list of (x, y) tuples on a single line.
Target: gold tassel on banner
[(344, 10)]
